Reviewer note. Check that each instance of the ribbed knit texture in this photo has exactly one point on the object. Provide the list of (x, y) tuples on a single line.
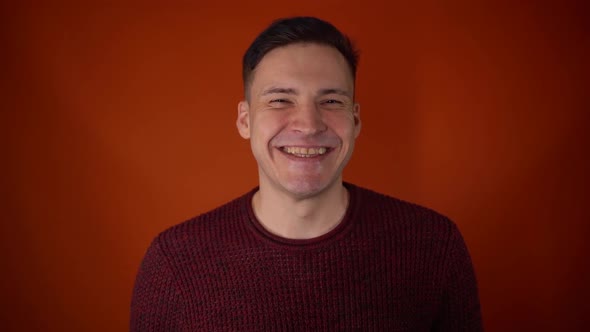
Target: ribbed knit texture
[(388, 266)]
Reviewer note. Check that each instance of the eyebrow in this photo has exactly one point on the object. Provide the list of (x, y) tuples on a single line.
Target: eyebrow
[(324, 92), (288, 91), (291, 91)]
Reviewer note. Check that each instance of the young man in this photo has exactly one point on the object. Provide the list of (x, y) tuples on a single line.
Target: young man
[(304, 250)]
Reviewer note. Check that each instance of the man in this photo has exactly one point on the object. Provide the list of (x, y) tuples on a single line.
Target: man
[(304, 250)]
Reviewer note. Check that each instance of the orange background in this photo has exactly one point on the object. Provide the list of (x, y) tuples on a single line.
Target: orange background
[(118, 122)]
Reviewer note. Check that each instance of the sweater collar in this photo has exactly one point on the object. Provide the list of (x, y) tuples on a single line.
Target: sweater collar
[(336, 233)]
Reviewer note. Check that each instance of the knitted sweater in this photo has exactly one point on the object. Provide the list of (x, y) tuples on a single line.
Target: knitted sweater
[(388, 266)]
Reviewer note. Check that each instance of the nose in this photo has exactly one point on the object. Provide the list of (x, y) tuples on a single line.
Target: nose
[(307, 119)]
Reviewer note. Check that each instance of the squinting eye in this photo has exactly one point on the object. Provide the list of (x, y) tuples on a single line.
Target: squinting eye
[(332, 101), (279, 101)]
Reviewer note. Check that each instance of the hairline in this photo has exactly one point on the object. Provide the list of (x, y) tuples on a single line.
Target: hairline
[(252, 72)]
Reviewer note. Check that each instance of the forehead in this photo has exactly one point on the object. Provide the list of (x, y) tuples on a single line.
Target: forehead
[(303, 66)]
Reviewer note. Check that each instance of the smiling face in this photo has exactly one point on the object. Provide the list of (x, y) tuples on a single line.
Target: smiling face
[(301, 118)]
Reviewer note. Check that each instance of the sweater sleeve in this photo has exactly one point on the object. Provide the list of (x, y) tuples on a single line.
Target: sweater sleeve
[(461, 307), (156, 301)]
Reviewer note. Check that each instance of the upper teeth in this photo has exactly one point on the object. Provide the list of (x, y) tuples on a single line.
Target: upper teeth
[(304, 152)]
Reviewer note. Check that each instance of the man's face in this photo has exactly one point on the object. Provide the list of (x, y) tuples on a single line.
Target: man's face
[(301, 118)]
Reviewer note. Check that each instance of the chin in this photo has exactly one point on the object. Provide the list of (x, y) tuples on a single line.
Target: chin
[(306, 189)]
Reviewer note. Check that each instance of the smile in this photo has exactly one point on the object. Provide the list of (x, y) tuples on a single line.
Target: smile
[(304, 152)]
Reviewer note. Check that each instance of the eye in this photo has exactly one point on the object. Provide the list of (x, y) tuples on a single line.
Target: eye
[(332, 101), (279, 101)]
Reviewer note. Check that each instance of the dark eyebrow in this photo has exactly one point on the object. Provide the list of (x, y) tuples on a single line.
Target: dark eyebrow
[(288, 91), (334, 91)]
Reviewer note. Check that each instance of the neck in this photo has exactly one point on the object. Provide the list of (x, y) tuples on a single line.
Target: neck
[(295, 218)]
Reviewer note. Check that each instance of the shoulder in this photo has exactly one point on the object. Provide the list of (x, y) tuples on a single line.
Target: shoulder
[(206, 229), (398, 214), (410, 228)]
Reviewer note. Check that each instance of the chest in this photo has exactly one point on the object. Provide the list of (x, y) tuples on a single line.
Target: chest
[(363, 287)]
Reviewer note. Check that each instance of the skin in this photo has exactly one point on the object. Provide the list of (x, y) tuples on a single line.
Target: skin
[(300, 100)]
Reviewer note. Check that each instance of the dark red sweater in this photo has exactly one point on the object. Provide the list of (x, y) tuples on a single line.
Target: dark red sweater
[(388, 266)]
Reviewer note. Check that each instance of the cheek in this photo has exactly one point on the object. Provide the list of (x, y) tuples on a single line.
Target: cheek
[(341, 124), (269, 123), (265, 127)]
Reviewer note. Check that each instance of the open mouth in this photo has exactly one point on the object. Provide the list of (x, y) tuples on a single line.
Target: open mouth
[(305, 152)]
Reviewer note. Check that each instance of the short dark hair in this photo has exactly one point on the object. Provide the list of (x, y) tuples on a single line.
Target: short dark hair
[(302, 29)]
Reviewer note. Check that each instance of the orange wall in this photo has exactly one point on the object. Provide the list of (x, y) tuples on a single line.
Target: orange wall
[(117, 123)]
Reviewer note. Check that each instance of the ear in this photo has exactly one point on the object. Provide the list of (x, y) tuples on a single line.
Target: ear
[(356, 113), (243, 121)]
